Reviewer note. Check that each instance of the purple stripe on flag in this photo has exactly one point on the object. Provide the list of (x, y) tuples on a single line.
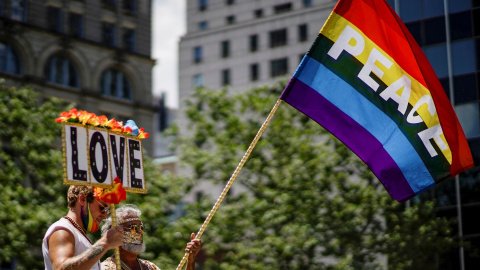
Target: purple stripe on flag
[(352, 134)]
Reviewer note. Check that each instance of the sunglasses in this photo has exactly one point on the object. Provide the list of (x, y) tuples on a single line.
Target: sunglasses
[(134, 228), (104, 209)]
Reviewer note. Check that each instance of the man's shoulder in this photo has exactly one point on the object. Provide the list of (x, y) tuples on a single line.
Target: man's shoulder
[(61, 227)]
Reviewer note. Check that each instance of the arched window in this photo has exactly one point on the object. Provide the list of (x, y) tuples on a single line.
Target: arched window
[(8, 59), (60, 69), (114, 83)]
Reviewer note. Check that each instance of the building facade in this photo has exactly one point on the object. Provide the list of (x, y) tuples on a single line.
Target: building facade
[(247, 43), (243, 44), (96, 54)]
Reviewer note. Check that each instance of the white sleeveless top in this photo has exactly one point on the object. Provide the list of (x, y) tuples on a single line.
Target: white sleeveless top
[(81, 242)]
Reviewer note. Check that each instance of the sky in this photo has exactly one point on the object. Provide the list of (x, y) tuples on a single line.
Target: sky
[(168, 25)]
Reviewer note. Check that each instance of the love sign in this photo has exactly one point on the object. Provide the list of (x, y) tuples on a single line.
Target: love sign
[(95, 156)]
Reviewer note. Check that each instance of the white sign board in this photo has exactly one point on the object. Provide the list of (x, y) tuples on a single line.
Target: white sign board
[(95, 157)]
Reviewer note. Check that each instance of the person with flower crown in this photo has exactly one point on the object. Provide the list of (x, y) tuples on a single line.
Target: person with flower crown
[(128, 217), (66, 245)]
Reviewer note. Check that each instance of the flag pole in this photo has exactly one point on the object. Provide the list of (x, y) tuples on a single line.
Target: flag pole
[(232, 178), (114, 224)]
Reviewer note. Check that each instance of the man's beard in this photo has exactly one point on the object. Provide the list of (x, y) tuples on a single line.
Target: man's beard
[(134, 248)]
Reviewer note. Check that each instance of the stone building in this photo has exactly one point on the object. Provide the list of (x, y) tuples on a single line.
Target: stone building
[(94, 53)]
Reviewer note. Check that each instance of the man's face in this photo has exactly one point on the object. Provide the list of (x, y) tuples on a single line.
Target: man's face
[(99, 210), (133, 236)]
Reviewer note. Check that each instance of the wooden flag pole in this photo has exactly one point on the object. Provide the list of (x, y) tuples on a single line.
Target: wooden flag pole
[(114, 224), (232, 179)]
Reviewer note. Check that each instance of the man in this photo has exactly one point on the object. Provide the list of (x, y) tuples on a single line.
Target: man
[(128, 217), (66, 245)]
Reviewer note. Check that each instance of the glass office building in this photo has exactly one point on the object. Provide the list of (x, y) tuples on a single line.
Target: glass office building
[(449, 33)]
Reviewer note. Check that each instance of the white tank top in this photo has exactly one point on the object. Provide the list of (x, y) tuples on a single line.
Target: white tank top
[(81, 242)]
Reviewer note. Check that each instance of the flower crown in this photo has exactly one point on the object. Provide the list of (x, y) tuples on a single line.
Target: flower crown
[(86, 118)]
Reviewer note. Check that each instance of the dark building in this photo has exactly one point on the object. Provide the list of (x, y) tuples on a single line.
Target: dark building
[(449, 33)]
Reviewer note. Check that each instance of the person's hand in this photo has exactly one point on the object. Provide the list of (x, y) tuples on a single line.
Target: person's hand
[(114, 237), (194, 246)]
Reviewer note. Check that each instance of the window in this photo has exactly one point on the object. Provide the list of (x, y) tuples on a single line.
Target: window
[(282, 8), (9, 61), (54, 19), (253, 41), (258, 13), (75, 23), (109, 3), (19, 10), (307, 3), (60, 70), (202, 4), (456, 5), (115, 84), (197, 54), (254, 72), (198, 80), (469, 118), (461, 25), (278, 67), (435, 30), (230, 2), (129, 39), (412, 10), (465, 88), (230, 19), (278, 38), (302, 32), (1, 8), (203, 25), (225, 47), (226, 77), (108, 34), (463, 61), (130, 5)]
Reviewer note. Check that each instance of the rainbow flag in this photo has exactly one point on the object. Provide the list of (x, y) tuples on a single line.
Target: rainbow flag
[(367, 81)]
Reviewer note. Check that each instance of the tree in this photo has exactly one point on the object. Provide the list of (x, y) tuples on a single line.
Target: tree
[(311, 203), (32, 193), (30, 173)]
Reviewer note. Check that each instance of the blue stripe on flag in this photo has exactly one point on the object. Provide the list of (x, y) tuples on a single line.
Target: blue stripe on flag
[(360, 109)]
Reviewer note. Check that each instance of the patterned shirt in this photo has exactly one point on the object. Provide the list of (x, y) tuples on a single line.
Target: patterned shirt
[(109, 264)]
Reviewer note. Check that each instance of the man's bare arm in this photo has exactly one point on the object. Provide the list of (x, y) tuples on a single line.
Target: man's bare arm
[(62, 250)]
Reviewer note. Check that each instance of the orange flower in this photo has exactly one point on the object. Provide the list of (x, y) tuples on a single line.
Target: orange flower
[(97, 121), (115, 194), (142, 134), (101, 120), (114, 125), (65, 116), (84, 116)]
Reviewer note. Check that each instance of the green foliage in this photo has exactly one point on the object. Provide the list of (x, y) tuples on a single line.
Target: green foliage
[(30, 173), (311, 203), (33, 196)]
